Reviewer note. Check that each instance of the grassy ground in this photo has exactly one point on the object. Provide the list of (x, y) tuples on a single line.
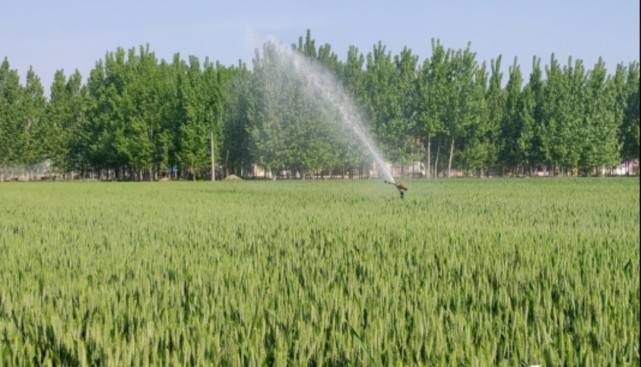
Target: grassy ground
[(473, 272)]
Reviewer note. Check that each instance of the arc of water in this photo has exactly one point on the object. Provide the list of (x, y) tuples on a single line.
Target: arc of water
[(326, 87)]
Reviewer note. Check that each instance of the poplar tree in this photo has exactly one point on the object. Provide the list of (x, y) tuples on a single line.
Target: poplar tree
[(65, 142), (57, 117), (11, 134), (617, 85), (474, 144), (352, 77), (495, 105), (432, 98), (568, 141), (526, 155), (511, 125), (105, 117), (465, 101), (404, 130), (266, 128), (77, 143), (33, 124), (552, 114), (318, 126), (381, 104), (193, 119), (630, 124), (539, 147), (235, 84), (140, 98), (601, 146)]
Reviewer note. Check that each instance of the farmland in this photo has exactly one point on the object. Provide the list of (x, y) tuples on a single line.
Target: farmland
[(461, 272)]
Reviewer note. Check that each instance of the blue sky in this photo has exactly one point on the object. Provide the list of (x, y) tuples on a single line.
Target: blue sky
[(69, 34)]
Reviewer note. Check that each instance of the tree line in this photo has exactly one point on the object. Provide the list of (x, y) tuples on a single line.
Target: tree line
[(140, 118)]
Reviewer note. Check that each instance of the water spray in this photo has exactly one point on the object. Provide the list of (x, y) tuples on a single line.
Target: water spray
[(325, 87)]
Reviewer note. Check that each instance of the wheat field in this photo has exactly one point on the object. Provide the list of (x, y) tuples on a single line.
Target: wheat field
[(469, 272)]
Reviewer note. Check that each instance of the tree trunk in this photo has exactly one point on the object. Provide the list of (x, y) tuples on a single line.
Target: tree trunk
[(429, 156), (449, 163), (213, 164), (438, 151), (627, 168)]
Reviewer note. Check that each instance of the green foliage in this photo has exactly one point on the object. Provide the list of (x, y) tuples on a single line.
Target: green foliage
[(381, 103), (235, 82), (465, 104), (631, 124), (293, 125), (33, 124), (462, 272), (65, 143), (511, 124), (601, 128), (11, 136), (145, 116), (431, 100), (140, 118)]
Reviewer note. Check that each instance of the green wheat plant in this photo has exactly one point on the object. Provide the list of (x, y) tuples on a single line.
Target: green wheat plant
[(495, 272)]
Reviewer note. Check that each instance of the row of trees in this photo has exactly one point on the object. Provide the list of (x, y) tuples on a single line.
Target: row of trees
[(137, 117)]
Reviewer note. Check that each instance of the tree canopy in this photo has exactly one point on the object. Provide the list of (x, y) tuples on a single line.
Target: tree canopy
[(136, 117)]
